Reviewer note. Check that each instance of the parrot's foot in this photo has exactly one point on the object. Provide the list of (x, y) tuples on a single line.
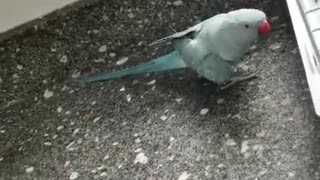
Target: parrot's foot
[(237, 79)]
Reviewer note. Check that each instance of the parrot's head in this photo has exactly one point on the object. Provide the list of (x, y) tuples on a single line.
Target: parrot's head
[(249, 23), (241, 28), (237, 31)]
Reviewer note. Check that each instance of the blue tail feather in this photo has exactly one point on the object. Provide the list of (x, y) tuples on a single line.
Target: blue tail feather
[(166, 62)]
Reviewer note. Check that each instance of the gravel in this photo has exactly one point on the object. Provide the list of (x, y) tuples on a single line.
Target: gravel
[(53, 128)]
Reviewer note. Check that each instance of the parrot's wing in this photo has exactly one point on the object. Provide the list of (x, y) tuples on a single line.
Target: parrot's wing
[(193, 29)]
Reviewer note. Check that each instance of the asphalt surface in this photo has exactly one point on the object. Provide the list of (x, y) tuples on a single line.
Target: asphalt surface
[(160, 126)]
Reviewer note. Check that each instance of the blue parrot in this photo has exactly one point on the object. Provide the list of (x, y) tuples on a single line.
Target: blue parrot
[(213, 48)]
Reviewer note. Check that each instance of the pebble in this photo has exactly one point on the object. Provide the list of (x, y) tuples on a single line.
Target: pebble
[(100, 60), (112, 55), (47, 143), (128, 97), (178, 3), (122, 89), (19, 67), (59, 109), (131, 15), (67, 163), (106, 157), (220, 101), (184, 176), (138, 150), (204, 111), (291, 174), (152, 82), (64, 59), (59, 128), (141, 158), (163, 118), (103, 49), (275, 46), (244, 147), (221, 165), (122, 61), (30, 169), (1, 80), (76, 131), (230, 142), (47, 94), (261, 134), (104, 174), (74, 175), (96, 119)]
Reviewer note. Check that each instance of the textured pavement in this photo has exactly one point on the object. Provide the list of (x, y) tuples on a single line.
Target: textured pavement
[(161, 126)]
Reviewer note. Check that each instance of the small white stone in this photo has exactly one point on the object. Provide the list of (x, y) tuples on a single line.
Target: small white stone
[(19, 67), (101, 168), (115, 144), (1, 159), (141, 158), (67, 163), (178, 3), (171, 139), (64, 59), (112, 55), (122, 89), (152, 82), (163, 118), (75, 74), (74, 175), (230, 142), (261, 134), (59, 109), (263, 172), (220, 101), (1, 80), (291, 174), (137, 140), (47, 94), (244, 146), (30, 169), (128, 98), (103, 49), (184, 176), (204, 111), (104, 174), (138, 150), (131, 15), (59, 128), (100, 60), (2, 131), (178, 100), (75, 132), (275, 46), (106, 157), (47, 143), (67, 113), (122, 61), (96, 119)]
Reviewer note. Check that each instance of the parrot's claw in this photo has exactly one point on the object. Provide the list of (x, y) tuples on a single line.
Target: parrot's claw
[(238, 79)]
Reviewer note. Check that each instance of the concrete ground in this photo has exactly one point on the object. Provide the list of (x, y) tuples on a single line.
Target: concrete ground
[(164, 126)]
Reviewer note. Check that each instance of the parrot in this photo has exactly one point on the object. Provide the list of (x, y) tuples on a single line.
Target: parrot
[(212, 48)]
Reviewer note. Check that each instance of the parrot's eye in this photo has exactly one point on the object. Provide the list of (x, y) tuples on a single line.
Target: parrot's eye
[(246, 26)]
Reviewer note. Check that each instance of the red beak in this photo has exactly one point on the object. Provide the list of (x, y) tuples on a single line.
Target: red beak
[(264, 27)]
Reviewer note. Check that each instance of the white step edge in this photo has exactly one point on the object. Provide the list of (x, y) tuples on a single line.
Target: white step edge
[(14, 13), (307, 52)]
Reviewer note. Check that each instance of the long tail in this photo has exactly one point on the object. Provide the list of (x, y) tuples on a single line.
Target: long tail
[(166, 62)]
